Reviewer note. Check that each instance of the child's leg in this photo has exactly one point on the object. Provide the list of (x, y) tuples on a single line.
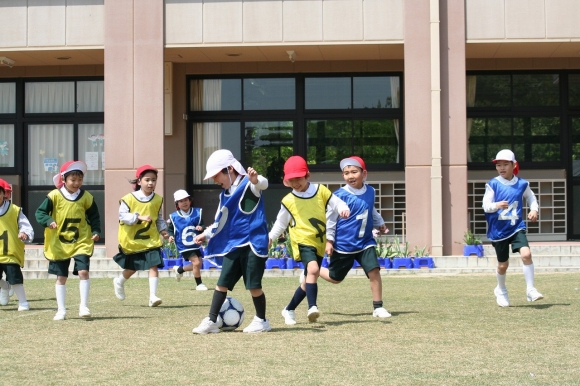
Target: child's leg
[(219, 297), (325, 274), (21, 295), (528, 266), (154, 301), (259, 299), (84, 288), (4, 292), (376, 286), (60, 289)]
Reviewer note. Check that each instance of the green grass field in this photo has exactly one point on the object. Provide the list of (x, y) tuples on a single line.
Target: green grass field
[(445, 330)]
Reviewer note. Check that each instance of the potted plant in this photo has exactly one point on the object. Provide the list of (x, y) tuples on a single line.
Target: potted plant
[(422, 259), (384, 250), (402, 255), (277, 254), (472, 244), (170, 255)]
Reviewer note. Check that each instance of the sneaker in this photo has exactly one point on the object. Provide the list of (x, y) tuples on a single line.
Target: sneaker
[(501, 296), (84, 312), (313, 314), (534, 295), (302, 277), (289, 316), (258, 325), (24, 307), (4, 296), (178, 275), (206, 327), (381, 313), (154, 301), (60, 315), (201, 287), (119, 289)]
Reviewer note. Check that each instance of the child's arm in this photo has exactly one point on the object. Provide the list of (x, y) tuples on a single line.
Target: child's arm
[(94, 219), (489, 205), (25, 230), (532, 203), (259, 182), (171, 231), (331, 220), (282, 221), (43, 214), (161, 225), (379, 222), (339, 206)]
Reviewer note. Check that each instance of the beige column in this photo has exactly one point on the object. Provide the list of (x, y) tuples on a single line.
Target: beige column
[(418, 122), (133, 99), (453, 125)]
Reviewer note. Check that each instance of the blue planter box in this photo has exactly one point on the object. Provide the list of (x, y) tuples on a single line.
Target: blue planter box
[(469, 250), (293, 264), (170, 263), (423, 262), (355, 265), (212, 263), (385, 263), (402, 262), (272, 263), (325, 262)]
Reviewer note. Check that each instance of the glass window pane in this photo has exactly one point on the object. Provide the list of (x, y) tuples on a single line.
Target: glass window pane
[(91, 148), (49, 97), (536, 89), (269, 94), (488, 91), (538, 139), (6, 146), (49, 146), (328, 93), (576, 147), (7, 98), (574, 89), (377, 141), (209, 137), (375, 92), (215, 94), (267, 146), (91, 96), (487, 136)]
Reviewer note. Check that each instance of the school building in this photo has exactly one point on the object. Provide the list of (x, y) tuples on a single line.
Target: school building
[(426, 91)]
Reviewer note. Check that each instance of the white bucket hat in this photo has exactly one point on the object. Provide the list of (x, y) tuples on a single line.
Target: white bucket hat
[(180, 195), (220, 159)]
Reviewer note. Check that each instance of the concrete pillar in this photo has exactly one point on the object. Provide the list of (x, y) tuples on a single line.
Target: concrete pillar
[(134, 93)]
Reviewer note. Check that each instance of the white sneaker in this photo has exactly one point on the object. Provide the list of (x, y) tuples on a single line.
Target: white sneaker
[(4, 296), (302, 277), (534, 295), (24, 307), (313, 314), (501, 296), (119, 289), (381, 313), (60, 315), (258, 325), (201, 287), (289, 316), (178, 275), (154, 301), (206, 327), (84, 312)]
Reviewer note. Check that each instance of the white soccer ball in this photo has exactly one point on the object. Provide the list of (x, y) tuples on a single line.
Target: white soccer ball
[(231, 315)]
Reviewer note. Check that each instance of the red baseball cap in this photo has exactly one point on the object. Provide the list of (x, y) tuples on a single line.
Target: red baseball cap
[(142, 169), (68, 167), (353, 160), (5, 185), (295, 167)]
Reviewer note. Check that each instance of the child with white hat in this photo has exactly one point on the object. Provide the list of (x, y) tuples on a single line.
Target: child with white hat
[(503, 203), (72, 225), (184, 225)]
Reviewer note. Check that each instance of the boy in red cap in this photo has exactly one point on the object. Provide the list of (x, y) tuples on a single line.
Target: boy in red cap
[(15, 230), (352, 239), (305, 210), (184, 225), (72, 225), (139, 241), (503, 203), (240, 235)]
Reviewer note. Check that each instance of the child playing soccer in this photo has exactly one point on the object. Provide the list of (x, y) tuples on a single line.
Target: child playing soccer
[(503, 206), (352, 239), (240, 235), (305, 210), (140, 224), (72, 225), (186, 223), (14, 230)]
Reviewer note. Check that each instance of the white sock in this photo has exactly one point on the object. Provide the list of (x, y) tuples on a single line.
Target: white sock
[(153, 286), (84, 287), (60, 297), (20, 294), (529, 275), (500, 280), (4, 284), (122, 279)]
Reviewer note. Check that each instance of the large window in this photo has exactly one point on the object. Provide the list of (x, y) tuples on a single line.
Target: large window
[(518, 111), (264, 120)]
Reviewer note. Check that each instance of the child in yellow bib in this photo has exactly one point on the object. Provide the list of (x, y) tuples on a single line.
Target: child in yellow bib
[(304, 210), (140, 224), (72, 225), (14, 230)]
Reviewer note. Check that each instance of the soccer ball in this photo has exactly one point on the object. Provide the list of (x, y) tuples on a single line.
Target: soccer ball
[(231, 315)]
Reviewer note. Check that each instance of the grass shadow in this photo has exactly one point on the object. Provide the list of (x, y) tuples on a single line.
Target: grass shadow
[(542, 306)]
